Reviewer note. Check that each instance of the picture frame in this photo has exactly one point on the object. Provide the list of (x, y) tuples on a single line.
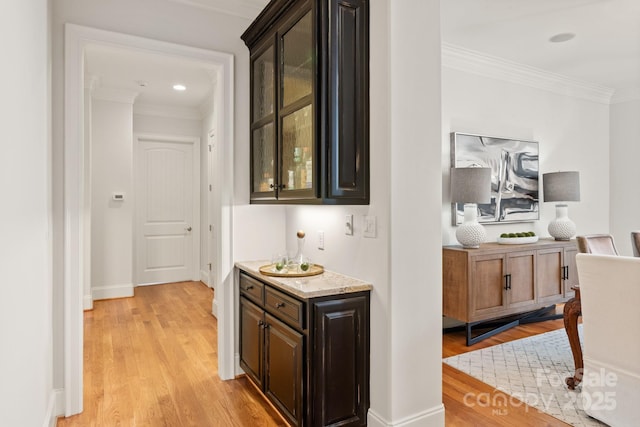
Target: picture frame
[(515, 173)]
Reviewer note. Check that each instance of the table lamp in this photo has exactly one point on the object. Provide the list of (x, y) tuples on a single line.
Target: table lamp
[(561, 187), (471, 186)]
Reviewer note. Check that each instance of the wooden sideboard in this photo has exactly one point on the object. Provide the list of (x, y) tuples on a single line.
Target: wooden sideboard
[(497, 281)]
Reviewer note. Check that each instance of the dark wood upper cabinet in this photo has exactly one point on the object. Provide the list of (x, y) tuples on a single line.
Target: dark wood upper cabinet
[(310, 102)]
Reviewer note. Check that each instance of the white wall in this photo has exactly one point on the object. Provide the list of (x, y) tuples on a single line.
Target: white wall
[(111, 221), (573, 134), (26, 390), (625, 152), (166, 125)]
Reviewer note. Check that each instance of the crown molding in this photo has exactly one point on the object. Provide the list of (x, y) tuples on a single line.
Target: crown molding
[(626, 95), (114, 95), (155, 110), (474, 62), (247, 9)]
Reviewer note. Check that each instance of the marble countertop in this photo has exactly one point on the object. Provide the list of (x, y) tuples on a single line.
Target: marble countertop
[(327, 283)]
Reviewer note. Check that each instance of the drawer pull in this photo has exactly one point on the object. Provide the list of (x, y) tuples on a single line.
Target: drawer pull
[(280, 305), (248, 288)]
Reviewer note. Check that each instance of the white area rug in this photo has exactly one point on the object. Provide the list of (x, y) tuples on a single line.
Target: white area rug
[(531, 370)]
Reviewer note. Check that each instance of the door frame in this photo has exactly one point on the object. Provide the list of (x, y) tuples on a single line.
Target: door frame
[(138, 138), (75, 263)]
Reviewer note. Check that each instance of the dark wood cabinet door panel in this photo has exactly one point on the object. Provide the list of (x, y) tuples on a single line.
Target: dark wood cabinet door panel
[(284, 357), (349, 100), (341, 369), (251, 340)]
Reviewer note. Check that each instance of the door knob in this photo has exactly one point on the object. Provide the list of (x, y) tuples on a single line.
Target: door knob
[(189, 228)]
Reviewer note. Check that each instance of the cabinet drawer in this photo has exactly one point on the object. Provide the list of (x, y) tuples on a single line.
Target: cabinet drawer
[(288, 309), (252, 288)]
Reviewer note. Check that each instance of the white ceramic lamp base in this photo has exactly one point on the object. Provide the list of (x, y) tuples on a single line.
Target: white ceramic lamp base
[(562, 228), (471, 233)]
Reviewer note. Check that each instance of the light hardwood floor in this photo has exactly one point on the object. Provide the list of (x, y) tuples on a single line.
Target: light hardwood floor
[(151, 360)]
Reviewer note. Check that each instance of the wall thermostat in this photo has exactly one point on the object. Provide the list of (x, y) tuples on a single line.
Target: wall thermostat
[(118, 196)]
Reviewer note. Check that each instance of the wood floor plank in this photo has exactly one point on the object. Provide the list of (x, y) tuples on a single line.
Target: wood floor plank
[(151, 360)]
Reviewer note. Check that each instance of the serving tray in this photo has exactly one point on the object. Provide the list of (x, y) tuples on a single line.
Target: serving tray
[(269, 270)]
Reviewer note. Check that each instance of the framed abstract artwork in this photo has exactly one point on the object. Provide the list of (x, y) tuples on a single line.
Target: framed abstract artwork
[(514, 176)]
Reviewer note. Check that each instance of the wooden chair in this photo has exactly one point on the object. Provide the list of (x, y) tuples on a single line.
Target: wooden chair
[(600, 244), (635, 243)]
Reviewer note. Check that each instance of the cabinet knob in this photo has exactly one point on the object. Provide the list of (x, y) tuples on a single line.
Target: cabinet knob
[(272, 186), (280, 305), (248, 288)]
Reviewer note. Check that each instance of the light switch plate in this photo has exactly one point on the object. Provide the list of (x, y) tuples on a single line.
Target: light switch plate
[(370, 227), (348, 225), (321, 240)]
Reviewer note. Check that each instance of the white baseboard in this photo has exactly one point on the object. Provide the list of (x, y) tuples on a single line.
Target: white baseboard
[(87, 302), (214, 307), (433, 417), (204, 277), (114, 291), (237, 369), (55, 408)]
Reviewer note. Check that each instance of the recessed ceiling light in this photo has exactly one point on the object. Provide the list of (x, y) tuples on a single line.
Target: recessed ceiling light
[(562, 37), (179, 87)]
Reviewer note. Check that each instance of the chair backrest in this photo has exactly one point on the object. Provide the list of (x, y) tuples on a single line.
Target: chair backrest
[(635, 243), (599, 244)]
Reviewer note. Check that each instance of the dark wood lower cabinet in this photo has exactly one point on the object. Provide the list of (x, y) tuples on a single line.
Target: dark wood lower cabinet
[(314, 368)]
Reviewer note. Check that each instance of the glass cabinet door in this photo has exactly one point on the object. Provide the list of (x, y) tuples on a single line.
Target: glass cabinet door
[(263, 142), (297, 142), (297, 150), (263, 155), (297, 61), (263, 85)]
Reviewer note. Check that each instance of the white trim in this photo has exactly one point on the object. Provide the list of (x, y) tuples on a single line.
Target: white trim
[(628, 95), (76, 39), (114, 95), (248, 9), (474, 62), (55, 408), (204, 277), (87, 302), (431, 417), (155, 110), (239, 370), (124, 290)]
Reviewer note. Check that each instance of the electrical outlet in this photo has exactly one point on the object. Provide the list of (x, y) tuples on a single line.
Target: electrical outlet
[(370, 227), (321, 240), (348, 226)]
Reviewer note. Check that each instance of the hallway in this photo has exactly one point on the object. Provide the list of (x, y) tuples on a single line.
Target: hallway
[(151, 360)]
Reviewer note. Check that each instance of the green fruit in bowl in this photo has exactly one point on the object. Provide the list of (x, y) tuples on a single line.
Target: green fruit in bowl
[(504, 235), (512, 235), (304, 266)]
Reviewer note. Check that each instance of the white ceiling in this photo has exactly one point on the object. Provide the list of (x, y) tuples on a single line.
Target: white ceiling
[(121, 69), (605, 51)]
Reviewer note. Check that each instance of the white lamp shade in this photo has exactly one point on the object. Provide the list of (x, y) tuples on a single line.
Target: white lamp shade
[(471, 185), (561, 186)]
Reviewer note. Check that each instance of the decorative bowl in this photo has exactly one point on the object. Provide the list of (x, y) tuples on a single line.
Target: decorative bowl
[(517, 240)]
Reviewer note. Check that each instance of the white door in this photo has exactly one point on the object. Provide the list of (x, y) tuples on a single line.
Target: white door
[(167, 178)]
